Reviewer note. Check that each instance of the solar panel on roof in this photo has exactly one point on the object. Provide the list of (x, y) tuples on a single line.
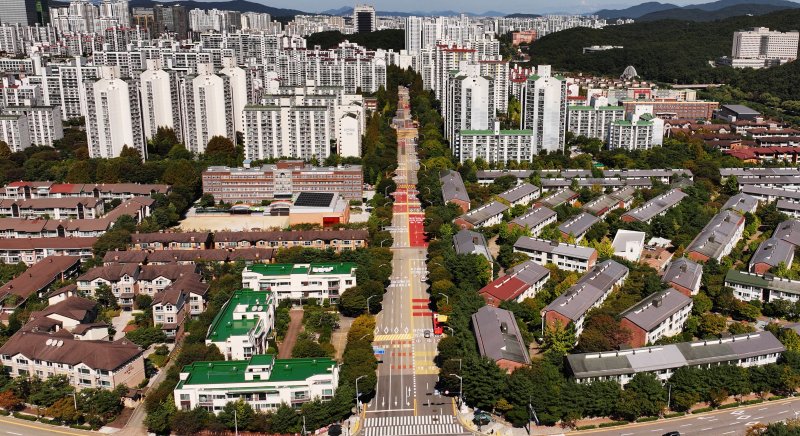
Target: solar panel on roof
[(314, 199)]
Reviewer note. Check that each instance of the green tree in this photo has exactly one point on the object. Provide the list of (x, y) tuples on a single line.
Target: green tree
[(711, 324), (190, 422), (50, 390), (63, 410), (701, 303), (146, 336), (643, 396), (244, 415), (483, 383), (558, 339)]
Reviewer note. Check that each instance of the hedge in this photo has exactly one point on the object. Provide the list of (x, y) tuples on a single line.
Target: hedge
[(776, 397), (50, 421), (729, 406), (674, 415), (81, 427), (703, 410), (613, 424), (4, 412), (586, 427), (756, 401), (25, 417), (647, 419)]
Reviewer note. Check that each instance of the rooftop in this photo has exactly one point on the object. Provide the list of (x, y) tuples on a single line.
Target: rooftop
[(284, 269), (526, 243), (226, 324), (519, 192), (657, 205), (233, 371), (453, 186), (534, 217), (578, 299), (485, 212), (498, 335), (654, 309), (772, 252), (683, 272), (469, 242), (579, 224), (717, 234), (741, 203)]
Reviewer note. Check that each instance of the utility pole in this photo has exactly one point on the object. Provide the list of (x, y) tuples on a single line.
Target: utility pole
[(235, 423), (358, 402), (460, 390)]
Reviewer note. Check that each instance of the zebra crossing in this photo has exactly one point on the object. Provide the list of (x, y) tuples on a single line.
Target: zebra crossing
[(413, 426)]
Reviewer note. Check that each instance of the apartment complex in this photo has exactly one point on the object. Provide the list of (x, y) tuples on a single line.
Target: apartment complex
[(241, 328), (267, 381), (521, 282), (592, 121), (655, 207), (753, 349), (589, 292), (544, 109), (660, 315), (718, 237), (298, 282), (565, 256), (281, 181)]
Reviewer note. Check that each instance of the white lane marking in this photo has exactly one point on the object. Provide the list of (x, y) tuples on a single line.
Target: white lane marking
[(715, 419), (729, 432), (658, 429), (705, 429), (626, 434), (763, 408), (686, 425), (15, 434)]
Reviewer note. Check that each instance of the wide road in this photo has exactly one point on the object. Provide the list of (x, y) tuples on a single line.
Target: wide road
[(730, 422), (19, 427), (404, 402)]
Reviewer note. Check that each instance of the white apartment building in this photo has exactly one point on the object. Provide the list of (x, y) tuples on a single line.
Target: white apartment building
[(364, 19), (161, 101), (469, 102), (64, 84), (568, 257), (640, 131), (657, 316), (499, 71), (297, 282), (495, 145), (593, 121), (237, 80), (544, 109), (262, 381), (14, 132), (287, 130), (44, 122), (114, 115), (208, 108), (241, 328)]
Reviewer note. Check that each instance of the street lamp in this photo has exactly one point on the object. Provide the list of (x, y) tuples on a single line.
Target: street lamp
[(453, 332), (669, 394), (75, 401), (368, 298), (385, 240), (358, 402), (447, 299), (460, 388)]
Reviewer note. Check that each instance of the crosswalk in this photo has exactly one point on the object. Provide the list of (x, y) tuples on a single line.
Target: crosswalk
[(413, 426)]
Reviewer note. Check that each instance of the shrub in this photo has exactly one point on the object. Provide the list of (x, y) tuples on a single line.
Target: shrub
[(703, 410), (25, 417), (674, 415), (613, 424), (729, 406), (586, 427), (647, 419), (776, 397), (755, 401), (81, 427)]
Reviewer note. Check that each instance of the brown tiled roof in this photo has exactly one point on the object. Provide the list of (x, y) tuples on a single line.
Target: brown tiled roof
[(83, 328), (191, 283), (39, 276), (168, 237), (77, 308), (95, 354), (172, 272), (112, 272), (50, 203), (125, 257), (63, 290)]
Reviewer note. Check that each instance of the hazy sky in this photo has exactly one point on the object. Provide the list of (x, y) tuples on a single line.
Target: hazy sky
[(477, 6)]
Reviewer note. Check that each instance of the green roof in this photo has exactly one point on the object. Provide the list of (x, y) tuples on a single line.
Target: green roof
[(533, 77), (233, 371), (628, 123), (285, 269), (224, 326)]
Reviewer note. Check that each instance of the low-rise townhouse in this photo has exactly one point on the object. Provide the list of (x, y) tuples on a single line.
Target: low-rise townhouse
[(34, 250), (569, 257), (718, 237), (521, 282), (535, 219), (302, 281), (655, 207), (684, 275), (485, 216), (660, 315)]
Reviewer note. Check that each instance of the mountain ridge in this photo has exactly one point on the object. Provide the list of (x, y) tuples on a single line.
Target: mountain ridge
[(715, 10)]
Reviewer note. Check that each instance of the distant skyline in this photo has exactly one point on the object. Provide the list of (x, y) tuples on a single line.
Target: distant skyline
[(473, 6)]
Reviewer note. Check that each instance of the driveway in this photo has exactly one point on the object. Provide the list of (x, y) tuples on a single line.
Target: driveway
[(339, 337), (120, 322), (295, 327)]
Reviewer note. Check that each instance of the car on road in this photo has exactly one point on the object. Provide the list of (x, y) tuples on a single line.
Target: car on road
[(672, 433), (427, 333)]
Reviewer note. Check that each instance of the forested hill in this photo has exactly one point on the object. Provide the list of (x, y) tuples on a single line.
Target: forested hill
[(672, 51), (385, 39)]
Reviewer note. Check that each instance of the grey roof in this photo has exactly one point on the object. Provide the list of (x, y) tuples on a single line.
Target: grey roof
[(741, 202), (740, 109), (485, 212), (759, 172), (559, 198), (607, 201), (529, 272), (534, 217), (788, 231), (788, 205), (772, 252), (578, 299), (589, 182), (579, 224), (786, 194), (624, 194), (775, 181), (715, 236), (654, 309), (683, 272), (453, 186), (657, 205), (469, 242), (498, 335), (526, 243), (637, 173), (572, 173), (615, 363), (519, 192)]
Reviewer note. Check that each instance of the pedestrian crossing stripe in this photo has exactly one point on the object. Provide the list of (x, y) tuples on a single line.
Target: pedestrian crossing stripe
[(413, 426), (395, 337)]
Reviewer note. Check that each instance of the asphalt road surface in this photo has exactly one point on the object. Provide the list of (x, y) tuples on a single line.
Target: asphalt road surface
[(730, 422), (405, 403), (19, 427)]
